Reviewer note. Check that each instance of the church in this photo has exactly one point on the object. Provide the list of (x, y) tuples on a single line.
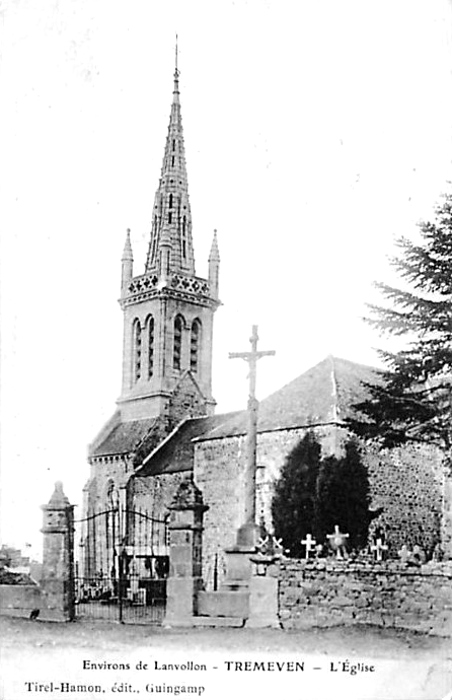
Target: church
[(165, 430)]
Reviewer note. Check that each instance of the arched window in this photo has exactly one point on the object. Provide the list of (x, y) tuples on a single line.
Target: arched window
[(136, 350), (177, 346), (195, 340), (111, 495), (110, 510), (150, 324)]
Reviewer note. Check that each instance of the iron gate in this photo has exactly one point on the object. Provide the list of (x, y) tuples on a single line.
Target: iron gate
[(123, 566)]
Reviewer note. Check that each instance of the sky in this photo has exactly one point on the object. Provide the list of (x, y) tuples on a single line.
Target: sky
[(316, 133)]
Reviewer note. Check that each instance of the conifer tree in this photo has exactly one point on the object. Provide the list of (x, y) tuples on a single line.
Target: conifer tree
[(343, 496), (412, 400), (313, 494), (294, 506)]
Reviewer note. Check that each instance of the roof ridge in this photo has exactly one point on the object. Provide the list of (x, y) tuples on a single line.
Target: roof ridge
[(334, 387), (164, 441)]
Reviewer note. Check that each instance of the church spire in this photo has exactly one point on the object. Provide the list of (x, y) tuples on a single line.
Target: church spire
[(171, 221)]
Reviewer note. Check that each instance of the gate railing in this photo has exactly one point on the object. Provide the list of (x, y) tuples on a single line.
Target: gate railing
[(123, 566)]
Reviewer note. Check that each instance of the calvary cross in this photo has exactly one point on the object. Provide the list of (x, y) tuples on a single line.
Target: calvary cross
[(251, 442)]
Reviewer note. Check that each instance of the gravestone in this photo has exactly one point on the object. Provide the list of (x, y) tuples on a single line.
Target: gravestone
[(338, 541), (309, 544)]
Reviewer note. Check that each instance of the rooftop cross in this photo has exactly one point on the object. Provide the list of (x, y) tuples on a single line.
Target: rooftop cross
[(250, 474)]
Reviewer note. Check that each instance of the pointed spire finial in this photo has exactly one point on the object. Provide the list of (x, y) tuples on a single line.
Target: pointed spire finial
[(214, 252), (176, 73), (127, 252)]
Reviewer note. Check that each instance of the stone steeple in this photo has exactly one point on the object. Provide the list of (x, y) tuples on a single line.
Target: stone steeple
[(168, 310), (171, 243)]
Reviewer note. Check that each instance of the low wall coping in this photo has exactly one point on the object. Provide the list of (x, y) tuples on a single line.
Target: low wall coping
[(385, 568)]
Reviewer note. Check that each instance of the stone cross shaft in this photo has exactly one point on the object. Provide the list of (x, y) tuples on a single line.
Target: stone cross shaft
[(251, 439)]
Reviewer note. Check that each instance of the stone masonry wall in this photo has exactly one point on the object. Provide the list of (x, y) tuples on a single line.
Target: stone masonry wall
[(407, 483), (19, 601), (185, 402), (328, 593), (219, 473), (155, 494)]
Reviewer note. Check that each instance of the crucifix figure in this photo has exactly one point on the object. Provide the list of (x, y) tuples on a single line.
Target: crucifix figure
[(251, 439)]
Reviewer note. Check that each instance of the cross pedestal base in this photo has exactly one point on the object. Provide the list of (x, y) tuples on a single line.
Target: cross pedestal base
[(248, 536), (232, 600)]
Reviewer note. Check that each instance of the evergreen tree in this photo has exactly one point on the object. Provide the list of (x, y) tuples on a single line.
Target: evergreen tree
[(294, 501), (343, 496), (412, 400), (314, 494)]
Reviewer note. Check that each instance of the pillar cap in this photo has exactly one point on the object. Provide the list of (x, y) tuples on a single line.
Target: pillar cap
[(59, 498), (188, 497)]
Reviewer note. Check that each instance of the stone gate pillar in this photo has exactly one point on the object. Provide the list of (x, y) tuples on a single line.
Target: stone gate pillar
[(57, 579), (185, 580), (446, 524)]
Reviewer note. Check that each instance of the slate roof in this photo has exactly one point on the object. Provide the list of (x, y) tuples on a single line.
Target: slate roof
[(322, 395), (175, 454), (124, 438)]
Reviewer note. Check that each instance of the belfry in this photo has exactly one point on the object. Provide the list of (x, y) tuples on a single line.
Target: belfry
[(168, 311)]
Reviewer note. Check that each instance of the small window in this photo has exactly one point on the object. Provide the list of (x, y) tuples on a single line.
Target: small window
[(170, 217), (170, 203), (172, 161), (174, 145)]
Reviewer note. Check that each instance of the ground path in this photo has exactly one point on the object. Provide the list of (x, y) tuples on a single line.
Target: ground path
[(409, 666)]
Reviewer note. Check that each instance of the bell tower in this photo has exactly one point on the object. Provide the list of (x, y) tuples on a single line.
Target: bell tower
[(168, 310)]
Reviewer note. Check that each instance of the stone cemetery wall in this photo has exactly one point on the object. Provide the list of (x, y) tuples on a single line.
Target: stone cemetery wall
[(324, 593), (19, 601)]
